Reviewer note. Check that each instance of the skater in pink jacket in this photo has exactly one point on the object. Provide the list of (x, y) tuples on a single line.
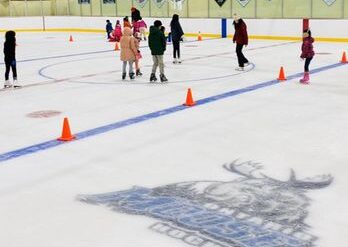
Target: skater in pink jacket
[(142, 28), (307, 54), (117, 33)]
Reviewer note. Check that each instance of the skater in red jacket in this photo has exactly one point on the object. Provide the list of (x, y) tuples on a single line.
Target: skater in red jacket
[(307, 54), (240, 37)]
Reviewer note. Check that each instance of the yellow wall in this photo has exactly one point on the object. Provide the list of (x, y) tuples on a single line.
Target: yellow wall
[(191, 8)]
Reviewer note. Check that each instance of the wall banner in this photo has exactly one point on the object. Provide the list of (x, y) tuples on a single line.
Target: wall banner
[(329, 2), (243, 2), (159, 3), (142, 3), (220, 2)]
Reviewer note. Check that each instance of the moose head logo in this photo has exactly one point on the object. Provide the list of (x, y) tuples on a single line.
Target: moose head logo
[(252, 210)]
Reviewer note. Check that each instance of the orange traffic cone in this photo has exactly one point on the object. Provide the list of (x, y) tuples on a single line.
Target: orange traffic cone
[(66, 133), (281, 76), (71, 39), (117, 48), (199, 36), (189, 98), (344, 58)]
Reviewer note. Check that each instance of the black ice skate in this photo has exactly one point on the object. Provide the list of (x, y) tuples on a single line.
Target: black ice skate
[(153, 78), (163, 78), (138, 73), (123, 76), (132, 76)]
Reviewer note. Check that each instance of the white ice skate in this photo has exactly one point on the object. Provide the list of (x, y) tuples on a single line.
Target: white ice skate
[(16, 84), (247, 64), (240, 68), (7, 84), (179, 60), (175, 61)]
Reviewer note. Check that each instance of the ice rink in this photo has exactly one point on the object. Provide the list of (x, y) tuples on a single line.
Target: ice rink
[(133, 133)]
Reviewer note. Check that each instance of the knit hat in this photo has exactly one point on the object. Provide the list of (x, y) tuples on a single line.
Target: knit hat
[(157, 23)]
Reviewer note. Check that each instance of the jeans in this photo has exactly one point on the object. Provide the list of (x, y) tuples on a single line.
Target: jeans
[(241, 59), (307, 62), (176, 49), (157, 61), (124, 68), (10, 65)]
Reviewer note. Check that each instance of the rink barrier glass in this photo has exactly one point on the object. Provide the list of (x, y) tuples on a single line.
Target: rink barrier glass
[(190, 8)]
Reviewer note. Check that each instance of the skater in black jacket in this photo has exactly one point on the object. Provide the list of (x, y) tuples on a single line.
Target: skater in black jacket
[(10, 58)]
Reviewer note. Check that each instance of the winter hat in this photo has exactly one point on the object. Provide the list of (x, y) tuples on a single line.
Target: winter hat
[(10, 35), (157, 23)]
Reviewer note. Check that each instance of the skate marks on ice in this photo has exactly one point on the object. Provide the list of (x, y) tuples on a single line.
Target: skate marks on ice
[(252, 210)]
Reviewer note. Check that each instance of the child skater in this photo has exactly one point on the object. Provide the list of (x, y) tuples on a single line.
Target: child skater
[(10, 59), (108, 28), (138, 55), (126, 23), (157, 44), (117, 34), (128, 52), (307, 54), (177, 33), (142, 28)]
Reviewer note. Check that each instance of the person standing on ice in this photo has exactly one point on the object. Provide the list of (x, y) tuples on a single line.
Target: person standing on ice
[(177, 33), (307, 54), (126, 22), (10, 59), (117, 34), (128, 52), (142, 28), (138, 55), (241, 39), (108, 28), (157, 44)]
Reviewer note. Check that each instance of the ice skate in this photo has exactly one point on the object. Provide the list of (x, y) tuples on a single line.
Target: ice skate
[(246, 64), (175, 61), (153, 78), (163, 78), (16, 84), (7, 84), (305, 79), (123, 76), (132, 76), (138, 73), (179, 61), (240, 68)]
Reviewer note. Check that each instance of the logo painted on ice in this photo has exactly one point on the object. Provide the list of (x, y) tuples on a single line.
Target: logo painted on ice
[(243, 2), (329, 2), (252, 211)]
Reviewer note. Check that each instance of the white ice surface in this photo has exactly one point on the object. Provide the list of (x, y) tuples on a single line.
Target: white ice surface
[(285, 126)]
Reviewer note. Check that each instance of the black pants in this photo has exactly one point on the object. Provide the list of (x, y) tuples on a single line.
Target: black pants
[(10, 65), (176, 48), (241, 59), (307, 62)]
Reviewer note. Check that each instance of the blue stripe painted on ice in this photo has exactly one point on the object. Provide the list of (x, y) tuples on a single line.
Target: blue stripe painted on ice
[(106, 128)]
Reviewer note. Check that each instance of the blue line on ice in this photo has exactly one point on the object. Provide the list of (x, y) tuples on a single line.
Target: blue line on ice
[(117, 125)]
